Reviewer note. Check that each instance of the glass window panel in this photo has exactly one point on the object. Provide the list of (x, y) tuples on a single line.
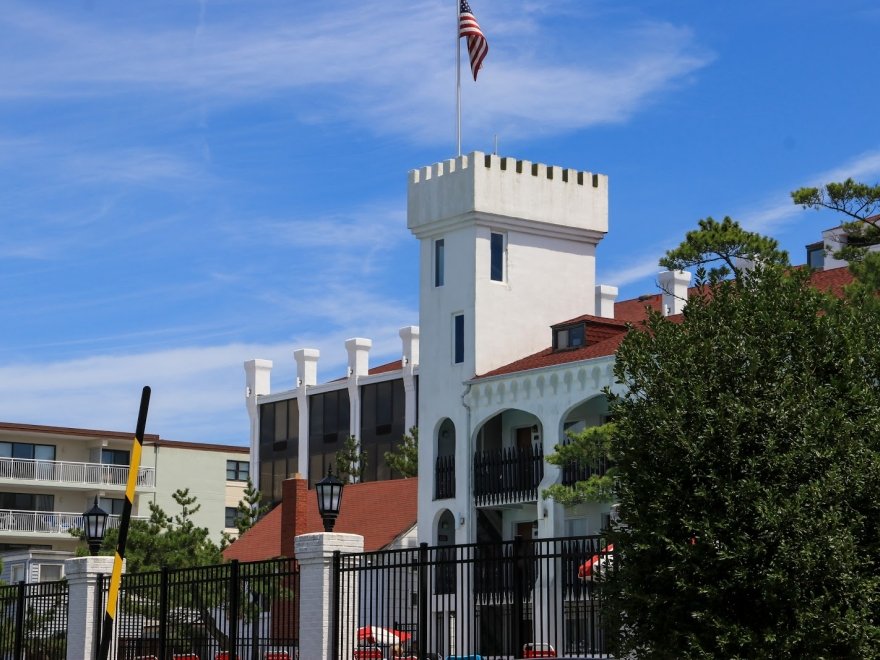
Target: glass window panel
[(281, 421), (44, 452), (383, 403), (576, 336), (439, 262), (292, 419), (231, 511), (497, 249), (267, 424), (459, 338), (22, 450), (562, 339), (5, 450)]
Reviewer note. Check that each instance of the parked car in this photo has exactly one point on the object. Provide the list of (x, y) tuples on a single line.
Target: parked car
[(539, 650)]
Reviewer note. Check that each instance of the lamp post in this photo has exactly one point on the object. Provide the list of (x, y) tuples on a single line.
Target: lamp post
[(329, 491), (95, 520)]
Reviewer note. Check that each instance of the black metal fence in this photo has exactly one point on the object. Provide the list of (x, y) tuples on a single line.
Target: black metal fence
[(501, 600), (234, 611), (506, 475), (33, 621)]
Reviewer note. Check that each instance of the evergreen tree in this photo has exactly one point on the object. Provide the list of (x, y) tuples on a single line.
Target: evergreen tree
[(351, 462), (747, 440), (590, 448), (405, 457)]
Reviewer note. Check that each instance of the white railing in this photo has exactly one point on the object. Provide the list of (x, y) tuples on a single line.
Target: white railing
[(93, 474), (46, 522)]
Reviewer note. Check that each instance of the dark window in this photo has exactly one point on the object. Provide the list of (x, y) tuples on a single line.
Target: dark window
[(497, 243), (816, 256), (238, 470), (231, 512), (458, 341), (115, 457), (439, 262), (279, 448), (27, 450), (573, 336), (112, 505), (328, 429), (383, 424), (27, 502)]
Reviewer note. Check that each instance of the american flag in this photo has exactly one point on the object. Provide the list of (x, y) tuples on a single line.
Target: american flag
[(468, 27)]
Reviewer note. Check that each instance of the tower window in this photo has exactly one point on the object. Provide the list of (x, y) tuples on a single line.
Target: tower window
[(497, 258), (439, 261), (458, 338)]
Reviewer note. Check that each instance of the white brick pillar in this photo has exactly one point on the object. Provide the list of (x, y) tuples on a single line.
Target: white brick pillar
[(314, 552), (81, 574)]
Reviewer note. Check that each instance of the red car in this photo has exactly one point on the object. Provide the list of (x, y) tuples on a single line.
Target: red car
[(539, 650)]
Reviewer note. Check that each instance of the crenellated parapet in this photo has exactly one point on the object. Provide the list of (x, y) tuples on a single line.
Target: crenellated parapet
[(506, 190)]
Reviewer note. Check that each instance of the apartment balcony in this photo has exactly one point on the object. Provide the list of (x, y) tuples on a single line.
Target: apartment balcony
[(582, 471), (66, 474), (444, 478), (43, 524), (508, 476)]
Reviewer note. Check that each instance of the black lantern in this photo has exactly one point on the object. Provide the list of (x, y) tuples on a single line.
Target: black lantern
[(329, 491), (95, 520)]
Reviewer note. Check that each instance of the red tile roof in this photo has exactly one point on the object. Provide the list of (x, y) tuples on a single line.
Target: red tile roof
[(604, 335), (380, 511)]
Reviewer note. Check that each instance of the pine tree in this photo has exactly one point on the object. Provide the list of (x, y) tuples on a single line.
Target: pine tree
[(405, 457), (351, 462)]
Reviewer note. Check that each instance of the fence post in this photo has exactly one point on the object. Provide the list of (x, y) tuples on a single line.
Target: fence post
[(518, 576), (423, 601), (19, 620), (314, 552), (163, 610), (234, 595), (83, 613)]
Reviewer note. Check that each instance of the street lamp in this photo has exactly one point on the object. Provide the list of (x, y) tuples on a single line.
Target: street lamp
[(95, 520), (329, 491)]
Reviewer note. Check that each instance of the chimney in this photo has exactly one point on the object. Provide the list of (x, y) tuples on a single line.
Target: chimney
[(358, 356), (258, 377), (409, 337), (605, 297), (674, 285), (294, 494), (306, 366)]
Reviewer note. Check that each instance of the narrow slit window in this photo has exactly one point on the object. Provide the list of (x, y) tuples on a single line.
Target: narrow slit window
[(458, 338), (497, 250), (439, 262)]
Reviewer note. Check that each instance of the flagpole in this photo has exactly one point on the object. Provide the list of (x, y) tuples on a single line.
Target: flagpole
[(458, 75)]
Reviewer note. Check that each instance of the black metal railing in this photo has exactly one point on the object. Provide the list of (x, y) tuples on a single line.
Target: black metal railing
[(582, 470), (506, 475), (490, 600), (234, 611), (444, 477), (33, 620)]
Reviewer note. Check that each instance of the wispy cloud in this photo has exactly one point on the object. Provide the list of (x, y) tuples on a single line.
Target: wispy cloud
[(356, 67)]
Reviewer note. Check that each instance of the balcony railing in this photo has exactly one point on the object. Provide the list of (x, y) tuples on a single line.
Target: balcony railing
[(508, 475), (46, 522), (582, 471), (444, 478), (65, 472)]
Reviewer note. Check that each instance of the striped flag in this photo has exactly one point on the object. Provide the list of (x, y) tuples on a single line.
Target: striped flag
[(468, 27)]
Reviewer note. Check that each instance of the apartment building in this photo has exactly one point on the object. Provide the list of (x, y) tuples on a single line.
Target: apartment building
[(50, 475)]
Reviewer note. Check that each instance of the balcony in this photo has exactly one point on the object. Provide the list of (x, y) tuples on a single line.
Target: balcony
[(16, 523), (65, 473), (582, 471), (444, 478), (508, 476)]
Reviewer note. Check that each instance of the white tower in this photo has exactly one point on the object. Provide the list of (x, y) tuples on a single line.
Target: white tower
[(507, 249)]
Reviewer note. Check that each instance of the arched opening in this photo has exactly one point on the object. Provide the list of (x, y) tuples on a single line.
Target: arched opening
[(444, 467), (444, 573), (509, 459)]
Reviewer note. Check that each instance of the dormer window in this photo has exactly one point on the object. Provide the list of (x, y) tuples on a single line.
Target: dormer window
[(569, 336)]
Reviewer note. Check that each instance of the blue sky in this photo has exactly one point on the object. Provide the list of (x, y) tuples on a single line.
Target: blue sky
[(188, 185)]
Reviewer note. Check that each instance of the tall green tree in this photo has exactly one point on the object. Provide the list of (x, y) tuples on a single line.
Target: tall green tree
[(174, 541), (747, 439), (720, 249), (249, 510), (405, 457), (351, 462)]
